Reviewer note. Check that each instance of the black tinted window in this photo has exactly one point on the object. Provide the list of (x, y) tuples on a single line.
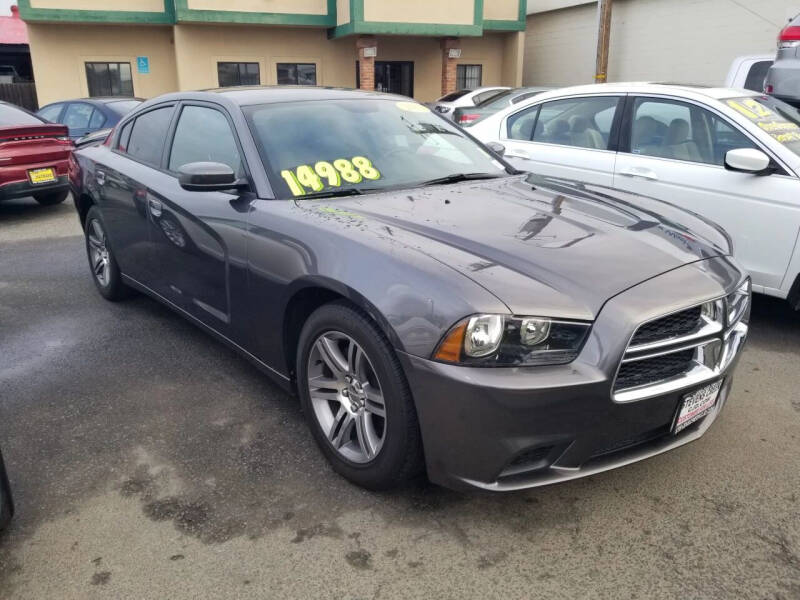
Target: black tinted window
[(147, 137), (297, 74), (125, 136), (757, 75), (11, 115), (231, 74), (204, 135), (109, 79), (452, 97)]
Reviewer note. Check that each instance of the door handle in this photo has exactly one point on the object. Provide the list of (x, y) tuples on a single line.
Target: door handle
[(639, 172), (155, 207), (100, 176)]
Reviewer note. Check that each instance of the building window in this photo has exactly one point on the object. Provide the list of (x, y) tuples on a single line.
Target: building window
[(109, 79), (297, 74), (468, 77), (231, 74)]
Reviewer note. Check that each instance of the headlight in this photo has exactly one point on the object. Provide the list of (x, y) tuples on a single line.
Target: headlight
[(504, 340)]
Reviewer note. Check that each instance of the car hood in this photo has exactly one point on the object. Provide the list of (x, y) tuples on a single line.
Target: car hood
[(541, 245)]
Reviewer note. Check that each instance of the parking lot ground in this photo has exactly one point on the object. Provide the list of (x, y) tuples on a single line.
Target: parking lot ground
[(149, 461)]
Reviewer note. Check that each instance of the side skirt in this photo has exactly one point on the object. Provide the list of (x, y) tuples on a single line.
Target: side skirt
[(279, 378)]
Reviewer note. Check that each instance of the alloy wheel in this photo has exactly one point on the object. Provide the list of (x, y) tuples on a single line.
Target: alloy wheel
[(99, 256), (347, 397)]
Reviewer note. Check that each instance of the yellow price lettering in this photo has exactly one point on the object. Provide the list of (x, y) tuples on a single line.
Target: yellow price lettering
[(329, 172), (364, 166), (349, 174), (291, 181), (309, 179)]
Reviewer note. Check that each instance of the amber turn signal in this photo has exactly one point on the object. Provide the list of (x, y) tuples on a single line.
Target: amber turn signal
[(450, 348)]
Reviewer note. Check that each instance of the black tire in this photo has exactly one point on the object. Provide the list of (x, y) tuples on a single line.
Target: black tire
[(111, 287), (51, 198), (401, 457)]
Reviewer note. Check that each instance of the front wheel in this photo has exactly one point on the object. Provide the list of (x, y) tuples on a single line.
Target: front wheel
[(356, 399), (51, 198), (105, 272)]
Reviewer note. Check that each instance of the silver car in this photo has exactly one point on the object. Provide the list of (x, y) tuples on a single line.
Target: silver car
[(783, 78), (446, 105)]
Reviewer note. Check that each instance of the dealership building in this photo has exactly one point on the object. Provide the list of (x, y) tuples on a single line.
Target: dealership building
[(419, 48)]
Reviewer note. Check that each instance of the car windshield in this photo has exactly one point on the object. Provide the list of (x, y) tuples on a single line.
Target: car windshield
[(361, 145), (123, 107), (776, 118), (11, 115)]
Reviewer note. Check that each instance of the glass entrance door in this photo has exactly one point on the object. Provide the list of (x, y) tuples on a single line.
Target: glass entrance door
[(392, 76)]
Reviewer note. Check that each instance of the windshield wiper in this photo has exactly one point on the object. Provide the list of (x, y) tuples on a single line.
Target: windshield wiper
[(333, 194), (458, 177)]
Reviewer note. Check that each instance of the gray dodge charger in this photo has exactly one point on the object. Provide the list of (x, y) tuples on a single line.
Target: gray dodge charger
[(431, 307)]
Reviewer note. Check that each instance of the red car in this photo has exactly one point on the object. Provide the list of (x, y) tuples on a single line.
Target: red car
[(34, 157)]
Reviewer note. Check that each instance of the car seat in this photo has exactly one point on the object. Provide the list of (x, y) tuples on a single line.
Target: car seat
[(678, 144), (645, 138), (583, 135)]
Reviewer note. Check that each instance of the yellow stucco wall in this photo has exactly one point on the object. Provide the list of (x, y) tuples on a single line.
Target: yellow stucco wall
[(307, 7), (454, 12), (487, 51), (123, 5), (198, 48), (342, 12), (59, 52), (513, 54), (505, 10)]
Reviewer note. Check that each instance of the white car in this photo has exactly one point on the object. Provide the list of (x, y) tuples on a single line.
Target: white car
[(749, 72), (447, 104), (730, 155)]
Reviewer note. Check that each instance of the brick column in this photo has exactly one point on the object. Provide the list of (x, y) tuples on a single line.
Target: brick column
[(366, 64), (449, 65)]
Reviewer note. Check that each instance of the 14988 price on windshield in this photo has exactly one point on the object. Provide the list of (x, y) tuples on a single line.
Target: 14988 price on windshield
[(335, 173)]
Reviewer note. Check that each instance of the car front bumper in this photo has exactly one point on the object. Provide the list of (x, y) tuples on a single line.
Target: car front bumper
[(504, 429)]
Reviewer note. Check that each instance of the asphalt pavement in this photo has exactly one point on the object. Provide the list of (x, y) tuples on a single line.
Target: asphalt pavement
[(149, 461)]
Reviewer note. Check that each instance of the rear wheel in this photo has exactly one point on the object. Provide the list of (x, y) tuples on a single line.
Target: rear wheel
[(105, 272), (356, 399), (51, 198)]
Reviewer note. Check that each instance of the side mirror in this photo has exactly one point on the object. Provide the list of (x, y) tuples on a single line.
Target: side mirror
[(497, 148), (208, 177), (748, 160)]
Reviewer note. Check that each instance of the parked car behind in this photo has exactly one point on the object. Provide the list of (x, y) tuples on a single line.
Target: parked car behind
[(783, 78), (749, 72), (729, 155), (469, 115), (426, 301), (34, 157), (448, 103), (6, 501), (87, 115)]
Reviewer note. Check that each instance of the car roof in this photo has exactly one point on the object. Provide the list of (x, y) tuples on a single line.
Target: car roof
[(687, 90), (269, 94), (98, 100)]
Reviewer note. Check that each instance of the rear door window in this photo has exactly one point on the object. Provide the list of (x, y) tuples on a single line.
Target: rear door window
[(577, 122), (147, 136), (78, 115)]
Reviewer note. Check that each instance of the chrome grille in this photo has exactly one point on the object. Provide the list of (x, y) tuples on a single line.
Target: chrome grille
[(675, 325), (684, 348), (641, 372)]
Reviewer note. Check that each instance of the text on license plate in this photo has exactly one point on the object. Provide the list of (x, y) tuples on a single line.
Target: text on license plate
[(696, 405), (42, 175)]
